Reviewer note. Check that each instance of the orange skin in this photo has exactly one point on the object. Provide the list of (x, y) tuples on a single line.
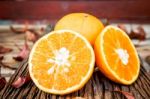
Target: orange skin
[(87, 25)]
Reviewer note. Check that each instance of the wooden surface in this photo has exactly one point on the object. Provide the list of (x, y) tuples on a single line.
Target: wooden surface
[(55, 9), (98, 87), (10, 39)]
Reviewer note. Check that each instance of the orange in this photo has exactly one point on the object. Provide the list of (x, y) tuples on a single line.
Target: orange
[(87, 25), (61, 62), (116, 56)]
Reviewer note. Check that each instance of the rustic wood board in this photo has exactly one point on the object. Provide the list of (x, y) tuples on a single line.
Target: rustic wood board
[(9, 39), (98, 87)]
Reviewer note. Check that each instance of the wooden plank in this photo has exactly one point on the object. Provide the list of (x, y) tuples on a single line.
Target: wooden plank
[(97, 87), (8, 39), (53, 10), (93, 89)]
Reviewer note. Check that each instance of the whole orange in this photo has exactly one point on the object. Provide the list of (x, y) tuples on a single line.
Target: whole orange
[(87, 25)]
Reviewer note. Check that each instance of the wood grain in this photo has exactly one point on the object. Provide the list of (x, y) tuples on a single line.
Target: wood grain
[(98, 87)]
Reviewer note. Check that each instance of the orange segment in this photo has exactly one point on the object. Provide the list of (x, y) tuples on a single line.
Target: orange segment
[(61, 62), (116, 56)]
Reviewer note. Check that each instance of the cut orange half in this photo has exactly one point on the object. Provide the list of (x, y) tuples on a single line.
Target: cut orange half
[(116, 56), (61, 62)]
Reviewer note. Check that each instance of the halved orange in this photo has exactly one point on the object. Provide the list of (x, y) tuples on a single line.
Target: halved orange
[(116, 56), (61, 62)]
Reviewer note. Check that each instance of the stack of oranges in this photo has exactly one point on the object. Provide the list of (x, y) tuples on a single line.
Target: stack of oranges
[(63, 61)]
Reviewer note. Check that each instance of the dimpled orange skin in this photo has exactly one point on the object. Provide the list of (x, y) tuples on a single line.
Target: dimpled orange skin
[(87, 25)]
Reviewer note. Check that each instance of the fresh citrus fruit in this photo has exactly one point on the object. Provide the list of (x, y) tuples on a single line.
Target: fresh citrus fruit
[(116, 56), (61, 62), (85, 24)]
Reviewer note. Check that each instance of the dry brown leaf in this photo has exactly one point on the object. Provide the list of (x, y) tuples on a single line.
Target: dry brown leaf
[(123, 27), (126, 94), (23, 53), (31, 35), (2, 82), (4, 65), (138, 33), (22, 80), (23, 30), (4, 50)]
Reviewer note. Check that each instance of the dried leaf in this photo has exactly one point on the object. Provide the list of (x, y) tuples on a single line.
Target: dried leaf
[(4, 65), (23, 30), (18, 47), (1, 57), (42, 30), (2, 82), (123, 27), (126, 94), (23, 53), (21, 81), (138, 33), (31, 35), (4, 50), (148, 59), (48, 28), (105, 22)]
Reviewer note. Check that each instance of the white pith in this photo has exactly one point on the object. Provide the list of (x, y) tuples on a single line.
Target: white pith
[(60, 59), (123, 55)]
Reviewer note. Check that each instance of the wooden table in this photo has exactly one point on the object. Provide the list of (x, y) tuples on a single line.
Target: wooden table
[(98, 87)]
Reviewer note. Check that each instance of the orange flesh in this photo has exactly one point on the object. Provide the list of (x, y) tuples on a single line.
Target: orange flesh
[(79, 59), (113, 40)]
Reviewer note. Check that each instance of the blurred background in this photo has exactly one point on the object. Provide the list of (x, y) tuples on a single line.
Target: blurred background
[(52, 10), (23, 21)]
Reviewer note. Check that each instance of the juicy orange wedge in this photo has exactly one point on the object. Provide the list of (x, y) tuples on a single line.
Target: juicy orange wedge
[(61, 62), (116, 56)]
